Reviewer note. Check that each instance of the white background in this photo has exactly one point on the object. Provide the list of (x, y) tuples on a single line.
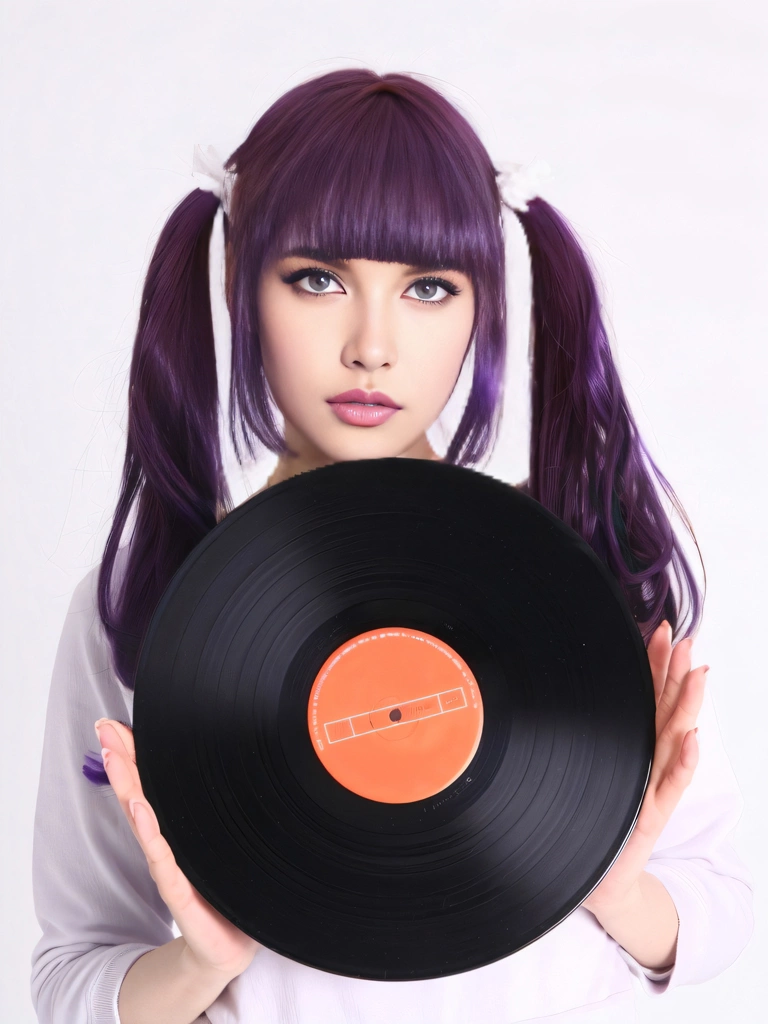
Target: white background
[(652, 117)]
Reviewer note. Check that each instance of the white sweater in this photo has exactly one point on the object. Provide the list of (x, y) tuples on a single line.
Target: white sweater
[(99, 908)]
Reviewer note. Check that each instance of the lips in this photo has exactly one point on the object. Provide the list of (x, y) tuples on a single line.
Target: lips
[(365, 398)]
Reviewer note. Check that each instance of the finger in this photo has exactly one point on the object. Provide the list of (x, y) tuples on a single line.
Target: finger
[(659, 652), (690, 699), (111, 734), (125, 734), (172, 884), (679, 666), (174, 887), (680, 722), (678, 778), (122, 774), (121, 771)]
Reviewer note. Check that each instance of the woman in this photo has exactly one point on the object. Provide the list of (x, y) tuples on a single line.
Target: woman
[(365, 253)]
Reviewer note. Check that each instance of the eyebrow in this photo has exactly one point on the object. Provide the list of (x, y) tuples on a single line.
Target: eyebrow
[(323, 256)]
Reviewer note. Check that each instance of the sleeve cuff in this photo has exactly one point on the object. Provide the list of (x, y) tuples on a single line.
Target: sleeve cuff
[(693, 930), (653, 982), (106, 987)]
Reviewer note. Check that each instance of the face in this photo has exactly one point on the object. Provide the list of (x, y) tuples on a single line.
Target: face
[(331, 327)]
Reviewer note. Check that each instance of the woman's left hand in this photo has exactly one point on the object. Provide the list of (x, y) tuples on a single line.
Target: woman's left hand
[(679, 694)]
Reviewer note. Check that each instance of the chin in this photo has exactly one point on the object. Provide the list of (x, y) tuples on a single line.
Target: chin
[(361, 448)]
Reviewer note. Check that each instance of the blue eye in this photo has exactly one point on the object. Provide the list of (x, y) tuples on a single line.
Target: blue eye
[(318, 281), (430, 287)]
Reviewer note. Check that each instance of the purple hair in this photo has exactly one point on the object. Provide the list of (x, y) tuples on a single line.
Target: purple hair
[(356, 165)]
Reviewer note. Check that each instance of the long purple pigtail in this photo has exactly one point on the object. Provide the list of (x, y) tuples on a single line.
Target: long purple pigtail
[(588, 463), (173, 467)]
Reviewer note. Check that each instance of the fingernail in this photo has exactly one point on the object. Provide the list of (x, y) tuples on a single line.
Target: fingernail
[(97, 725), (105, 753), (142, 819)]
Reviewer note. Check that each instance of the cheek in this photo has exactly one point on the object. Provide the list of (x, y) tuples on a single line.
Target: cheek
[(439, 349), (286, 345), (290, 369)]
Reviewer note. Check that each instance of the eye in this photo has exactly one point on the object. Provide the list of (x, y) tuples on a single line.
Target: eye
[(428, 290), (314, 281)]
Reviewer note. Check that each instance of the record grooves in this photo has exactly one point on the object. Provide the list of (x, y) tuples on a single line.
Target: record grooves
[(395, 719)]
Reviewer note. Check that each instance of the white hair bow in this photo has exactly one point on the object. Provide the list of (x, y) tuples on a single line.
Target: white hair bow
[(210, 174), (519, 183)]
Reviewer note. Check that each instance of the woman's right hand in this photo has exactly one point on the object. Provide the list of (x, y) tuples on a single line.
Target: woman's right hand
[(213, 942)]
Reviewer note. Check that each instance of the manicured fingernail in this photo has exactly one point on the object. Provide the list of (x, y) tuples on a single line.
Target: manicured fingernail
[(105, 754), (142, 819), (97, 725)]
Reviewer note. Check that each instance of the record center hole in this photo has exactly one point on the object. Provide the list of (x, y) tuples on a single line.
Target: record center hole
[(395, 715)]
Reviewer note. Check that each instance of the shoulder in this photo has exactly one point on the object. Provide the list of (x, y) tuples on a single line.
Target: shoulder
[(83, 684), (83, 633), (85, 593)]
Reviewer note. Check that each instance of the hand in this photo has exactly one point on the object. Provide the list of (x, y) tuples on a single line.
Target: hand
[(679, 692), (214, 944)]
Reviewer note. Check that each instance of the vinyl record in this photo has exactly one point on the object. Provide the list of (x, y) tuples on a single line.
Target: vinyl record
[(395, 718)]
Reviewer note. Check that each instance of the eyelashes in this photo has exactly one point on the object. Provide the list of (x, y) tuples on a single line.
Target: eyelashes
[(320, 272)]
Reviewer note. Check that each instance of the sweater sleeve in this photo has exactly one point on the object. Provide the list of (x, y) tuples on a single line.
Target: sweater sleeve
[(95, 900), (694, 859)]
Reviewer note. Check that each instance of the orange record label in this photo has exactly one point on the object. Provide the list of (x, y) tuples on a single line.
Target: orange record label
[(395, 715)]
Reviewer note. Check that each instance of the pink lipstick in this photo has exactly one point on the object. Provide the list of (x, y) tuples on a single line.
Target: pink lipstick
[(361, 409)]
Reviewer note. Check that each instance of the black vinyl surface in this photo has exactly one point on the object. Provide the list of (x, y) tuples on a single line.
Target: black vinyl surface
[(317, 873)]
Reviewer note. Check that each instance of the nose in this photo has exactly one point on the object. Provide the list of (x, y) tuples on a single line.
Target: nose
[(370, 341)]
